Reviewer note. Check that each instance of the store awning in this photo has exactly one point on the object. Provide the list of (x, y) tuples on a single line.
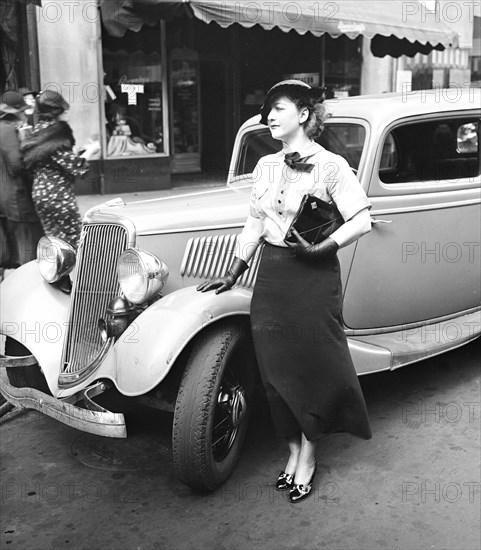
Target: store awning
[(397, 26)]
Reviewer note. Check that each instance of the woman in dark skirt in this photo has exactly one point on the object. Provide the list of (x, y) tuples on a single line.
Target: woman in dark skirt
[(296, 310)]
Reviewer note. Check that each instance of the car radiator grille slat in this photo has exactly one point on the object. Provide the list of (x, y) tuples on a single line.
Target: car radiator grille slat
[(209, 257), (206, 258), (95, 285), (194, 259)]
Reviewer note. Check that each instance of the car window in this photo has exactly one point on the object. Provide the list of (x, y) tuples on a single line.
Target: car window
[(255, 144), (434, 150), (389, 156), (345, 139)]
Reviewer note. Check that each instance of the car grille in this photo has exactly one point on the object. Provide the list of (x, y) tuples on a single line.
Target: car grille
[(209, 257), (95, 284)]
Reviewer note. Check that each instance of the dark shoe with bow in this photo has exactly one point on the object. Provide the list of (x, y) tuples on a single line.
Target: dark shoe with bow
[(284, 481), (300, 492)]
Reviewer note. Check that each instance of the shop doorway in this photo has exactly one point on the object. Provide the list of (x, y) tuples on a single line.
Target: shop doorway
[(216, 115)]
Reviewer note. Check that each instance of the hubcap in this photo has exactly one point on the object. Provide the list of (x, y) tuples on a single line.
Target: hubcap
[(230, 412), (239, 405)]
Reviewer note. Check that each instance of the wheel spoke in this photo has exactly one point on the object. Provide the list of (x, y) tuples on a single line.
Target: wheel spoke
[(221, 422), (217, 441), (230, 437)]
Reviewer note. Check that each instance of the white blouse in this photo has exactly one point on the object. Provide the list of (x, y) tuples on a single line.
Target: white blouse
[(277, 189)]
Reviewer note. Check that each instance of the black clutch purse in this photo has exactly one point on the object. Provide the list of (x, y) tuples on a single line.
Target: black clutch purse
[(315, 220)]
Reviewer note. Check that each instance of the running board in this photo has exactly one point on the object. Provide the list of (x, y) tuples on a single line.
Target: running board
[(411, 345)]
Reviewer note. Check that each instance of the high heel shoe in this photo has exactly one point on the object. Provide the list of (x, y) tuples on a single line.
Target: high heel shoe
[(300, 492), (284, 481)]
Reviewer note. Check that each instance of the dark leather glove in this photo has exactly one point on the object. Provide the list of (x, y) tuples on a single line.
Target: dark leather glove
[(304, 249), (226, 282)]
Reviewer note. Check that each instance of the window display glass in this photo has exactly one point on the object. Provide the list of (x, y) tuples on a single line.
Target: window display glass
[(343, 66), (134, 83)]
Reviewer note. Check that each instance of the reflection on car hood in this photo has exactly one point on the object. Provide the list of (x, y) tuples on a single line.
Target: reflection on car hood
[(225, 206)]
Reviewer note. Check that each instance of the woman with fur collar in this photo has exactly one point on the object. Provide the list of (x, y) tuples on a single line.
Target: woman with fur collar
[(49, 153), (20, 228)]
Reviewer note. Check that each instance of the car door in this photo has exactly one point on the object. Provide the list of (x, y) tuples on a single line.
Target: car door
[(421, 259)]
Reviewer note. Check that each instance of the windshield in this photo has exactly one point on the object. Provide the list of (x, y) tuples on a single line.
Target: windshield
[(345, 139)]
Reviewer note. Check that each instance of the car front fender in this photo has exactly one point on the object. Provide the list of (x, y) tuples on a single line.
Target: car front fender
[(35, 314), (147, 350)]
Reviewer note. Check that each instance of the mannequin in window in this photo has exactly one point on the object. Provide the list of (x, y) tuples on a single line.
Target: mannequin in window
[(121, 124), (125, 134)]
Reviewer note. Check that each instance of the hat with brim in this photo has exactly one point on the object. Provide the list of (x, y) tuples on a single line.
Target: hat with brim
[(293, 89), (27, 91), (12, 103), (50, 102)]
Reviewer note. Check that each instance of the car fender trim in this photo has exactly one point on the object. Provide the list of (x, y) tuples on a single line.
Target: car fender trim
[(17, 361)]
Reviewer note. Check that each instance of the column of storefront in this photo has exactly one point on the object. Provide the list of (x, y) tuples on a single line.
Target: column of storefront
[(376, 72), (68, 60), (109, 83)]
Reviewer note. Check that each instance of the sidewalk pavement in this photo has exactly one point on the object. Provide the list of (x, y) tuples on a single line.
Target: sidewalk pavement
[(181, 188)]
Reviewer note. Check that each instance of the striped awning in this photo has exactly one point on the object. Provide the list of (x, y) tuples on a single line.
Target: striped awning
[(405, 21)]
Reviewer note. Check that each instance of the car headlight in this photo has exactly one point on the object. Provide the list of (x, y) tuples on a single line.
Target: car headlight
[(141, 275), (55, 258)]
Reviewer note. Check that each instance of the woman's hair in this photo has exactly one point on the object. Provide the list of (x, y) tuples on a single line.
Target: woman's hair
[(117, 108), (47, 117), (318, 114), (304, 97)]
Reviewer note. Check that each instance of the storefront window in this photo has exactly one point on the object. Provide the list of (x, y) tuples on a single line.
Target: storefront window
[(134, 80), (343, 66)]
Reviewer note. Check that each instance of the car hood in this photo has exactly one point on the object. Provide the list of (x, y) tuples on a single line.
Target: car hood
[(225, 206)]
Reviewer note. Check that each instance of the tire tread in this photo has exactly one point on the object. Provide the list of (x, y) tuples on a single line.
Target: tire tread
[(194, 404)]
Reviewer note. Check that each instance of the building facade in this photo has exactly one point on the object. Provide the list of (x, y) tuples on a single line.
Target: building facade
[(167, 97)]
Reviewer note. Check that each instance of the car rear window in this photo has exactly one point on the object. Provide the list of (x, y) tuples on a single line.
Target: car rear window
[(345, 139), (434, 150)]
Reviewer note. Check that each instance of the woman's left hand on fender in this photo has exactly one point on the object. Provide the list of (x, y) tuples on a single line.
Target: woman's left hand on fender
[(304, 249)]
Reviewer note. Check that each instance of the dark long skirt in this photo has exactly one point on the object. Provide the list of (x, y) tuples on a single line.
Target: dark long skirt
[(18, 242), (301, 347)]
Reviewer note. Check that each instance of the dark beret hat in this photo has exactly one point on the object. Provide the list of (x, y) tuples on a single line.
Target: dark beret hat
[(50, 101), (295, 89), (12, 102)]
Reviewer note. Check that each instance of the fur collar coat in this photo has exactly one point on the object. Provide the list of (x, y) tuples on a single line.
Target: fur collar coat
[(45, 141)]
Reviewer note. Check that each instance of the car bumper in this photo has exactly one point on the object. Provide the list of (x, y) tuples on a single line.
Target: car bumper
[(99, 421)]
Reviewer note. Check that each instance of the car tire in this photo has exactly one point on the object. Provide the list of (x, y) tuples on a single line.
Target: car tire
[(213, 406)]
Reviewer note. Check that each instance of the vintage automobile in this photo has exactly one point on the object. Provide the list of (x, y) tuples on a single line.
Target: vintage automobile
[(133, 320)]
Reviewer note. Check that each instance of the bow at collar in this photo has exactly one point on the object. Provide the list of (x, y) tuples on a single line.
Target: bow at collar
[(294, 161)]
